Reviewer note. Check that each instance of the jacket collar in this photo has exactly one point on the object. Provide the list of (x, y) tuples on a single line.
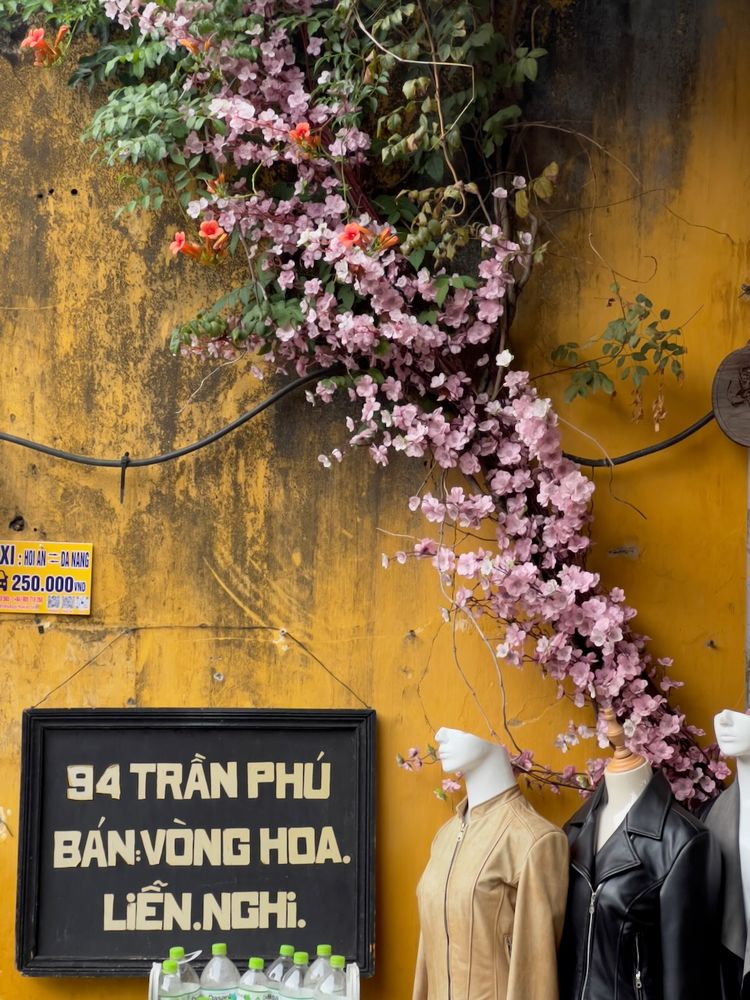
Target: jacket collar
[(464, 813), (724, 823), (645, 818)]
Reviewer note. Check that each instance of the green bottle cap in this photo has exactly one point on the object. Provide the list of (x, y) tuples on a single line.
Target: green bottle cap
[(169, 966), (301, 958), (255, 963), (177, 952), (287, 950), (338, 962), (218, 949), (324, 950)]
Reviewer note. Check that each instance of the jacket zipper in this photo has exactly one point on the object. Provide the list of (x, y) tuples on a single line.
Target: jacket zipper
[(638, 977), (445, 904), (589, 936), (590, 928)]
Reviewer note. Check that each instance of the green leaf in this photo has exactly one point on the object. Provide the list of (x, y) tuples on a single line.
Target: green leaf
[(522, 204), (616, 330), (508, 114), (434, 167), (530, 68), (542, 188), (415, 258), (482, 36), (442, 287), (346, 296)]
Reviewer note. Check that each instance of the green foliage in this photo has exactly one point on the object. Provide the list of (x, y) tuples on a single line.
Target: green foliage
[(453, 82), (144, 125), (128, 61), (141, 123), (54, 12), (460, 78), (631, 348)]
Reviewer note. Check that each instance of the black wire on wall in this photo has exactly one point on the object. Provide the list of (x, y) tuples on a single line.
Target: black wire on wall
[(631, 456), (126, 462)]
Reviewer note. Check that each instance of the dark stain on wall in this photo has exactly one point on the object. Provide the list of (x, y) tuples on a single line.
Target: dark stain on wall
[(626, 69)]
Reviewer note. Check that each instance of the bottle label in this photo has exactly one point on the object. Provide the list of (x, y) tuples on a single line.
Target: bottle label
[(256, 993), (232, 993)]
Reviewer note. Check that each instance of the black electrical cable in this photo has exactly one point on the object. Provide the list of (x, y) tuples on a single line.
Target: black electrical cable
[(599, 463), (126, 462)]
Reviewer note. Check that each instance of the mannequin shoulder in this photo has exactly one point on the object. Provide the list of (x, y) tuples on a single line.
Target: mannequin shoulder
[(535, 825)]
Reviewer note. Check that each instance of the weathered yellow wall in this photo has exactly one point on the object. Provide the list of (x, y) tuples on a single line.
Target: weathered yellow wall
[(249, 576)]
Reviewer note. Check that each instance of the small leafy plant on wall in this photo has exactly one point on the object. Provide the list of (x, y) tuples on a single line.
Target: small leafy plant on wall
[(364, 162)]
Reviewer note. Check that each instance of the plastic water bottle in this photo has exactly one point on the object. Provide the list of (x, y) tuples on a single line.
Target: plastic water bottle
[(185, 969), (279, 967), (220, 978), (320, 968), (334, 984), (293, 984), (254, 984), (171, 985)]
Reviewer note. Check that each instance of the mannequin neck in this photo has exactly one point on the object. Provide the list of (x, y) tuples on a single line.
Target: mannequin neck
[(623, 789), (743, 778), (489, 777)]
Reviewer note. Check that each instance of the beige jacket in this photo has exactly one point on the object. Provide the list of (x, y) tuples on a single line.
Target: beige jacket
[(491, 905)]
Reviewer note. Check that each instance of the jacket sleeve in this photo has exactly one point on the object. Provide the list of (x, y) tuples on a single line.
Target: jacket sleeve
[(420, 974), (690, 904), (538, 920)]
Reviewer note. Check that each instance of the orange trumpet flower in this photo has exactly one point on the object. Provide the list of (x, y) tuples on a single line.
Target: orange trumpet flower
[(44, 53)]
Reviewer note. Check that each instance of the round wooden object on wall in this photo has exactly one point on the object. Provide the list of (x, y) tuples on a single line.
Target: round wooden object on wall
[(730, 395)]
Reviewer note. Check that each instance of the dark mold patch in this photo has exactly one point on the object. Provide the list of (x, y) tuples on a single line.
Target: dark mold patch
[(625, 69)]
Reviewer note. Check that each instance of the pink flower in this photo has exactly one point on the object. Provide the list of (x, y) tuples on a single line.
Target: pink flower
[(450, 785)]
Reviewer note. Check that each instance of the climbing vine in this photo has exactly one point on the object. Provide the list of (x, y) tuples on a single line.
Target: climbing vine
[(363, 162)]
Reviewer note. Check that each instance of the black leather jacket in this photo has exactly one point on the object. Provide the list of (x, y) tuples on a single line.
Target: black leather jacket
[(642, 914)]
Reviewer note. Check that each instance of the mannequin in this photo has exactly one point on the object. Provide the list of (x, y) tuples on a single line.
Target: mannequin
[(644, 893), (492, 897), (729, 821), (626, 777), (485, 766)]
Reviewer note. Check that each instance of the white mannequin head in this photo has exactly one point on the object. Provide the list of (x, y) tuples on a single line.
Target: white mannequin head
[(484, 765), (733, 733), (460, 751)]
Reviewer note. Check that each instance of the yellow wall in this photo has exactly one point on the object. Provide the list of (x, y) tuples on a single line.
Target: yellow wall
[(250, 562)]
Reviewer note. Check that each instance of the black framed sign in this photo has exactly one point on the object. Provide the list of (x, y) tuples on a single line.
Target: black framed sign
[(147, 828)]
